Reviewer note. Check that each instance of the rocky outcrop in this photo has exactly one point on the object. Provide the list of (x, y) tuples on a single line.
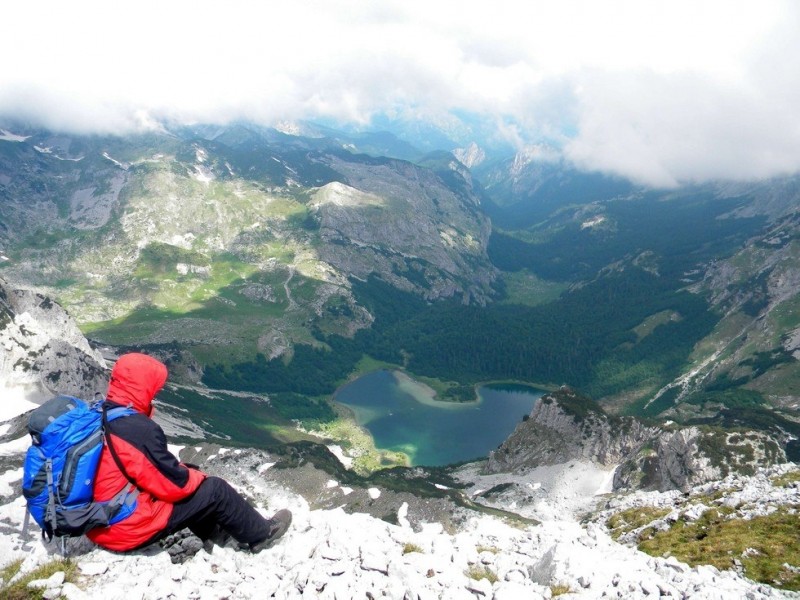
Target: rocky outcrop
[(43, 350), (681, 458), (403, 224), (565, 426)]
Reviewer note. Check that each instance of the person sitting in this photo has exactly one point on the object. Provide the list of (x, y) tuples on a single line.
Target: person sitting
[(171, 495)]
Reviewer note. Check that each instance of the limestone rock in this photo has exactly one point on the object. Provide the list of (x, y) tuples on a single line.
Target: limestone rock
[(565, 426), (43, 351)]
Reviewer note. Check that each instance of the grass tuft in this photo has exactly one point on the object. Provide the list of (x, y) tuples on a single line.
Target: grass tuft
[(559, 589), (477, 572), (19, 589), (786, 479), (408, 548), (10, 570), (633, 518)]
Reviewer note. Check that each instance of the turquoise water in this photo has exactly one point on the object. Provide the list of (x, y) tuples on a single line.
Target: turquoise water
[(401, 416)]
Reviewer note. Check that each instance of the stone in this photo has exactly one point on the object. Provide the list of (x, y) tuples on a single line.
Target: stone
[(374, 562), (70, 591), (480, 587), (515, 591), (54, 581), (91, 569)]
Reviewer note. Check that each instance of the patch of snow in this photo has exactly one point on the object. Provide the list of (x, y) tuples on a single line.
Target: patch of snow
[(346, 491), (288, 127), (7, 478), (49, 152), (402, 516), (16, 400), (175, 449), (332, 483), (203, 174), (593, 222), (551, 492), (183, 241), (338, 452), (265, 466), (7, 136), (17, 446), (439, 486), (123, 166), (185, 269), (607, 486), (374, 493)]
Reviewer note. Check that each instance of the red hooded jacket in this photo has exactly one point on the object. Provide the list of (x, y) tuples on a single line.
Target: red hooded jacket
[(142, 448)]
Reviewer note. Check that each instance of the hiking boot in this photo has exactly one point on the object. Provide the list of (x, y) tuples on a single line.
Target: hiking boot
[(219, 537), (276, 527)]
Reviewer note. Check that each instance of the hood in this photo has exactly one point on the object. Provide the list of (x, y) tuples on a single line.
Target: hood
[(135, 381)]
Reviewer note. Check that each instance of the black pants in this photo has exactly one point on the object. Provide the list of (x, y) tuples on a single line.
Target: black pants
[(216, 503)]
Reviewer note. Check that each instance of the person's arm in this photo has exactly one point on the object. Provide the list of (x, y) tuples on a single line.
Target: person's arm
[(142, 448)]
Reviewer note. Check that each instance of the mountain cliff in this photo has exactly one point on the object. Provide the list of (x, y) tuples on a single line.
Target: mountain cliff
[(43, 351), (566, 426)]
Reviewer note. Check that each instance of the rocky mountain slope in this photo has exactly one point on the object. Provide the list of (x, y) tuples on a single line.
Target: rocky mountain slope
[(406, 553), (565, 426), (43, 351), (202, 235)]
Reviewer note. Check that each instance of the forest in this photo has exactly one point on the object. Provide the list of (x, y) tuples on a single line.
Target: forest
[(585, 340)]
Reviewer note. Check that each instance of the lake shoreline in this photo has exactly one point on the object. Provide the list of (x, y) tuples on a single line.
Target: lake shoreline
[(425, 394), (418, 380), (402, 415)]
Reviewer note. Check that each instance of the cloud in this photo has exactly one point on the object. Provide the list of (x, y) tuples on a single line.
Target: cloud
[(659, 92)]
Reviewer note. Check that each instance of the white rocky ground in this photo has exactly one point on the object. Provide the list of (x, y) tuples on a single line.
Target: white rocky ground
[(331, 554)]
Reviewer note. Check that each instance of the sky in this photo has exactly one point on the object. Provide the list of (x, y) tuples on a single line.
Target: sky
[(661, 92)]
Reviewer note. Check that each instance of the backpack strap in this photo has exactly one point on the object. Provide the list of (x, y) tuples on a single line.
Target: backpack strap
[(107, 438), (26, 523), (50, 512)]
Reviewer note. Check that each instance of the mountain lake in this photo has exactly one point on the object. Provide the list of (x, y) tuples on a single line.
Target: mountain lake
[(402, 415)]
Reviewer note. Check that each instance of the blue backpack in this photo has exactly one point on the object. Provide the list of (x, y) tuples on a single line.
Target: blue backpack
[(61, 465)]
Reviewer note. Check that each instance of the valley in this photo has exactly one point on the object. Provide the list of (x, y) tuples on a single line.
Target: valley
[(257, 262)]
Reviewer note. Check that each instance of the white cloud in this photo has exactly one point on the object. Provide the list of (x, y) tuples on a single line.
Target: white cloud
[(659, 91)]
